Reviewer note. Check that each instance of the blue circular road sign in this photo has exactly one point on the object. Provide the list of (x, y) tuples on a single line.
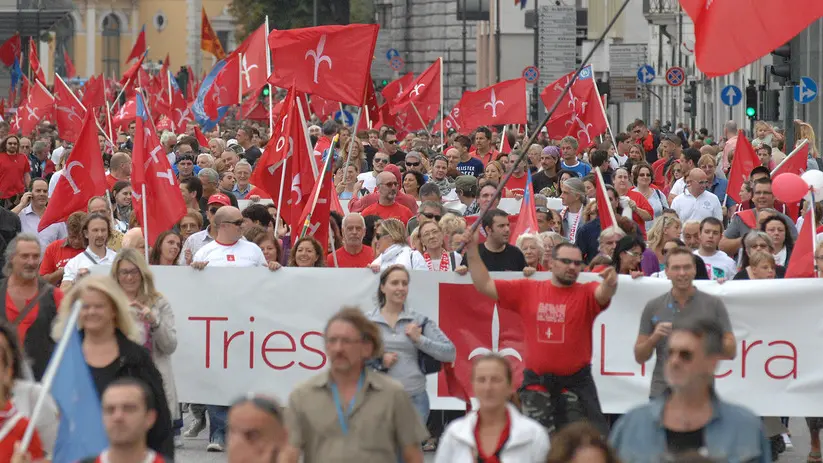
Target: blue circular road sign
[(646, 74), (731, 95), (531, 74), (805, 91)]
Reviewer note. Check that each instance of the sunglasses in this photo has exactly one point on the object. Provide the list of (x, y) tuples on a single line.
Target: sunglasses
[(391, 142), (412, 164), (430, 215), (566, 261), (685, 355), (380, 235), (381, 160), (390, 184), (237, 222)]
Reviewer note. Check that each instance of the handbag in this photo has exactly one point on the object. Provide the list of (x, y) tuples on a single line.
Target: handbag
[(428, 364)]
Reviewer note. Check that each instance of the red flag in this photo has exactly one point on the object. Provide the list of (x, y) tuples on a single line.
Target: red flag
[(733, 33), (322, 107), (253, 110), (34, 62), (191, 92), (130, 75), (604, 206), (94, 95), (2, 108), (396, 88), (70, 71), (477, 326), (83, 177), (139, 48), (208, 38), (126, 114), (201, 139), (505, 146), (151, 170), (745, 159), (801, 262), (423, 91), (253, 61), (527, 218), (166, 62), (330, 61), (10, 50), (225, 91), (316, 222), (69, 112), (454, 119), (370, 116), (796, 164), (37, 106), (581, 113), (503, 103)]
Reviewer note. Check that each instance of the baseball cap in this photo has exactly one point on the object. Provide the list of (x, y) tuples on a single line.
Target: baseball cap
[(219, 198), (394, 170), (465, 183)]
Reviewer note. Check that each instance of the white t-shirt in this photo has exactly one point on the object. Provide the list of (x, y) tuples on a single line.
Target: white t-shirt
[(719, 265), (690, 208), (618, 160), (369, 180), (81, 261), (240, 254), (679, 187)]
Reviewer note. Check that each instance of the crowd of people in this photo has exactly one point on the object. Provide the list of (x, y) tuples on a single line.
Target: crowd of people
[(411, 204)]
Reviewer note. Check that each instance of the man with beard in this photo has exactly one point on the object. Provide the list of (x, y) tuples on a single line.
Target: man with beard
[(356, 399), (559, 348), (14, 171), (96, 231), (31, 208), (27, 302)]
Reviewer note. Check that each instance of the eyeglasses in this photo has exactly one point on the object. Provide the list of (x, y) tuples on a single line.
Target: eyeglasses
[(237, 222), (380, 235), (632, 253), (430, 215), (389, 184), (128, 273), (391, 142), (566, 261), (412, 164), (685, 355), (703, 183), (381, 160)]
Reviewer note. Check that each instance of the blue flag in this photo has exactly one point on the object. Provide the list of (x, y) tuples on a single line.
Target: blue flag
[(16, 73), (81, 433), (197, 107)]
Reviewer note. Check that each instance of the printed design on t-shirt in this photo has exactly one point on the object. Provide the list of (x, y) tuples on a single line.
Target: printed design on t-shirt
[(715, 272), (707, 205), (230, 257), (551, 323)]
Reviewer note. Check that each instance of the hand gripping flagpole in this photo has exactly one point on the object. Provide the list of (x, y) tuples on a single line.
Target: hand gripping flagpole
[(48, 376), (317, 193), (583, 65)]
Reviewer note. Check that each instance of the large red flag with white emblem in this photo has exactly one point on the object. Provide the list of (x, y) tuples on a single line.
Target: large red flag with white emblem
[(151, 169), (745, 159), (316, 220), (253, 71), (330, 61), (478, 326), (126, 114), (424, 91), (36, 107), (396, 88), (34, 61), (500, 104), (225, 90), (83, 177), (69, 112), (580, 114)]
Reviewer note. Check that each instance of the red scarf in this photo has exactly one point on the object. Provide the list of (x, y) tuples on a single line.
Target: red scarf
[(445, 262), (501, 442), (648, 142)]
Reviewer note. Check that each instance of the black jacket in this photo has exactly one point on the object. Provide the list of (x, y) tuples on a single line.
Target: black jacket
[(38, 344), (135, 362)]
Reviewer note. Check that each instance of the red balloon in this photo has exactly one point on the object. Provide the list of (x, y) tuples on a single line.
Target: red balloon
[(789, 187)]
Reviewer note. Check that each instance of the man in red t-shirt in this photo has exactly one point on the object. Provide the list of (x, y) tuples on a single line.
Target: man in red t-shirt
[(353, 253), (15, 171), (61, 251), (386, 207), (119, 169), (558, 316)]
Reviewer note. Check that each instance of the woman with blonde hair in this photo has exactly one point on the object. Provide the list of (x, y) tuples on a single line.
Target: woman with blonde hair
[(391, 245), (532, 247), (358, 156), (452, 226), (494, 172), (111, 347), (665, 229), (803, 130), (153, 317)]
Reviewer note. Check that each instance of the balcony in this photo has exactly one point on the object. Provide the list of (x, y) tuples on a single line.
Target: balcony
[(661, 12), (29, 17)]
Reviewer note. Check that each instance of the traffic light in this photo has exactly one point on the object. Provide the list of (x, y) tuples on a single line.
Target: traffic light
[(782, 67), (690, 99), (771, 105), (751, 101), (384, 82)]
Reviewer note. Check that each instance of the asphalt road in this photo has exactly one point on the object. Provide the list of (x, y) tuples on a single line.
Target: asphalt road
[(194, 450)]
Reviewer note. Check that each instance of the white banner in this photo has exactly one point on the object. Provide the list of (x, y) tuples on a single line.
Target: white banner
[(510, 205), (244, 330)]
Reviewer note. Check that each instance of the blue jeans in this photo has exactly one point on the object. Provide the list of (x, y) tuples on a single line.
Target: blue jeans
[(421, 404), (217, 423)]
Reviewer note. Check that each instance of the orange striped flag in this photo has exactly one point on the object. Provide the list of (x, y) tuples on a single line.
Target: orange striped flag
[(208, 38)]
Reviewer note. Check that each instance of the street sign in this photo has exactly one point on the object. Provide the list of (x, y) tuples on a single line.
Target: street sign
[(557, 51), (805, 91), (392, 53), (531, 74), (731, 95), (344, 116), (645, 74), (675, 76), (397, 63), (624, 59), (687, 47)]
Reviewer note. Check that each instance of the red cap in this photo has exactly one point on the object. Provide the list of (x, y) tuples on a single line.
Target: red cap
[(219, 198), (394, 170)]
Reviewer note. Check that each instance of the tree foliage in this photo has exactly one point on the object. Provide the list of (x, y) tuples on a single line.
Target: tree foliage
[(290, 14)]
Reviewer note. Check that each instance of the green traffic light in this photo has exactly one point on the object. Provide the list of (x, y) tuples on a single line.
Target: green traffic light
[(750, 111), (266, 91), (384, 82)]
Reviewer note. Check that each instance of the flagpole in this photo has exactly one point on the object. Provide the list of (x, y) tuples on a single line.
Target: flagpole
[(549, 114), (442, 133), (331, 242), (316, 196), (796, 149), (108, 114), (171, 99), (268, 73), (145, 223), (306, 136), (425, 126), (240, 79), (605, 117), (503, 134), (48, 376), (280, 194), (603, 187), (57, 76)]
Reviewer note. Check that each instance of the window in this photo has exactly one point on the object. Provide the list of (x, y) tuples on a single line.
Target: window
[(63, 41), (223, 36), (111, 45), (384, 15)]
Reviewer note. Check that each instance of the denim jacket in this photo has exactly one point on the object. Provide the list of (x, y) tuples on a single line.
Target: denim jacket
[(733, 434)]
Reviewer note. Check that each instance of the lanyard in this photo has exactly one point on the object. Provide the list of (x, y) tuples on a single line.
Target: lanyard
[(341, 417)]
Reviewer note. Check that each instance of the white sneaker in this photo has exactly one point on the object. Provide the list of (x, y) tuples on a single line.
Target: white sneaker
[(787, 440), (214, 447)]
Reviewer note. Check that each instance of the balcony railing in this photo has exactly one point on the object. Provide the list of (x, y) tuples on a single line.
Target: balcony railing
[(661, 11), (29, 17)]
